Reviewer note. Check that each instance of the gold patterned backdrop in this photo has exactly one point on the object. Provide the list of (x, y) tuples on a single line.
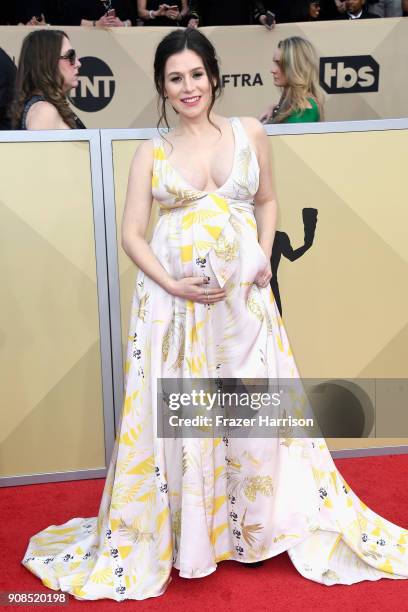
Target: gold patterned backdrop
[(345, 301), (51, 398)]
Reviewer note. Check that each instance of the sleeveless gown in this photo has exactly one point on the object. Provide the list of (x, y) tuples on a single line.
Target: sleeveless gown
[(191, 503)]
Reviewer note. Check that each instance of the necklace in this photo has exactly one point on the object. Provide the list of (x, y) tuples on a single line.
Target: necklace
[(276, 110)]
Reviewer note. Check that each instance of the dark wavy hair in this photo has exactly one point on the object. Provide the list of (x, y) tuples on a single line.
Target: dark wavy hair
[(175, 42), (38, 73)]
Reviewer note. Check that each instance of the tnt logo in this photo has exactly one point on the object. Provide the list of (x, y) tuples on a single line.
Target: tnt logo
[(349, 74), (96, 85)]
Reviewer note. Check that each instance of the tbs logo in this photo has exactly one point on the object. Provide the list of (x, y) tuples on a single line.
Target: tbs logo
[(349, 74)]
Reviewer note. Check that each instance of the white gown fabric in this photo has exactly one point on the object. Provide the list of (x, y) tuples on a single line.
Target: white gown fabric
[(192, 503)]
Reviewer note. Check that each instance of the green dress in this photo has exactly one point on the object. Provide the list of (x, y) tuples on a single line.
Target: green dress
[(307, 115)]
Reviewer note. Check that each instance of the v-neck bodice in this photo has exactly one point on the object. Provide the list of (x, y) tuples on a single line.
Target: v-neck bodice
[(203, 225), (172, 190), (207, 191)]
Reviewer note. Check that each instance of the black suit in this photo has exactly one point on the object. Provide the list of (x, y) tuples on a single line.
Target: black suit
[(7, 78), (364, 15)]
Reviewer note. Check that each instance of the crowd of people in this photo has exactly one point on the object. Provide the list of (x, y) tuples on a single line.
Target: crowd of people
[(193, 13)]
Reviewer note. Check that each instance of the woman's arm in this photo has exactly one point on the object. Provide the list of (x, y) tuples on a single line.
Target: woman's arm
[(265, 201), (44, 116), (137, 214), (134, 226), (184, 8), (267, 114)]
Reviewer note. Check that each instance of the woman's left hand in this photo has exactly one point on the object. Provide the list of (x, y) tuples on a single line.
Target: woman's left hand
[(264, 276), (34, 21), (267, 114), (173, 13), (263, 21), (117, 23)]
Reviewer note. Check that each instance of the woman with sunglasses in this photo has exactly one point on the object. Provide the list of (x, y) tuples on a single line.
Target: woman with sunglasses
[(47, 71)]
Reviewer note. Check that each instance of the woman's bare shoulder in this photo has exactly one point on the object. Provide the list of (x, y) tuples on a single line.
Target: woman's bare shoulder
[(145, 149), (254, 129), (143, 155), (252, 125), (42, 116)]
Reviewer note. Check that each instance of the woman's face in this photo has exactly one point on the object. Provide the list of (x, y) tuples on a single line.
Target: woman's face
[(354, 6), (314, 10), (68, 70), (186, 84), (279, 78)]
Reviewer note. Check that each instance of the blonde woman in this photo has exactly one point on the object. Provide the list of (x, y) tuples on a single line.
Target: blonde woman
[(295, 71)]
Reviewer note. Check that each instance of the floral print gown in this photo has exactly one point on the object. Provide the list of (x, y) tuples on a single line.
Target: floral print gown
[(191, 503)]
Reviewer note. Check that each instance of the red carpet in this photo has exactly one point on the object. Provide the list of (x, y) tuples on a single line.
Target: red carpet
[(381, 482)]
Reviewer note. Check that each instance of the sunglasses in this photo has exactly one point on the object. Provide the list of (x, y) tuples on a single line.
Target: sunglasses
[(70, 56)]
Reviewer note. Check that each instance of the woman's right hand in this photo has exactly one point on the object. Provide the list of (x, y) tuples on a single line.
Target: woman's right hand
[(267, 114), (341, 6), (194, 288), (163, 8), (173, 12), (34, 21), (106, 21)]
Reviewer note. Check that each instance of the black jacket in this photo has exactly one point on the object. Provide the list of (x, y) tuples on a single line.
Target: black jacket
[(364, 15), (7, 77)]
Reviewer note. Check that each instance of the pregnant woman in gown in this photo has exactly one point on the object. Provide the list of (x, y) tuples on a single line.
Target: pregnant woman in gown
[(203, 308)]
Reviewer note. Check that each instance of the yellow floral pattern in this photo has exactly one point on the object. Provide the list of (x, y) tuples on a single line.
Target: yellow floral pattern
[(194, 502)]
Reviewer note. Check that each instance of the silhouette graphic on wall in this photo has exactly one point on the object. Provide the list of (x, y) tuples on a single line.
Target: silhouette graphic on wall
[(282, 246)]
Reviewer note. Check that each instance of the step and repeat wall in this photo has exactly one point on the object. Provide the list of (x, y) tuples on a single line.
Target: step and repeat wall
[(52, 367), (345, 297), (362, 69), (67, 286)]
